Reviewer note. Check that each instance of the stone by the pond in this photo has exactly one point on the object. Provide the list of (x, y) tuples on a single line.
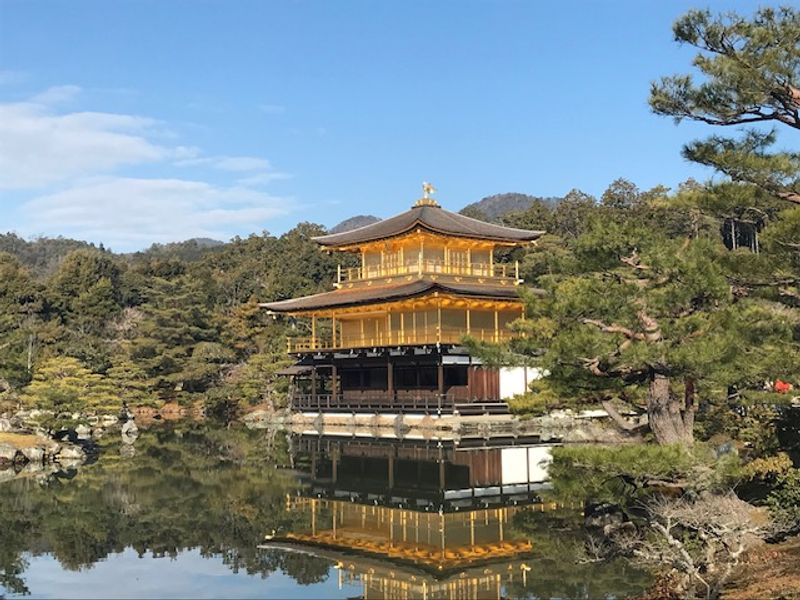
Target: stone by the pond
[(108, 420), (257, 419), (34, 454), (5, 425), (82, 431), (49, 445), (7, 453), (129, 432), (70, 453)]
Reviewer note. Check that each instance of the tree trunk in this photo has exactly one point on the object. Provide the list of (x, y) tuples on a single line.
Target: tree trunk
[(670, 418)]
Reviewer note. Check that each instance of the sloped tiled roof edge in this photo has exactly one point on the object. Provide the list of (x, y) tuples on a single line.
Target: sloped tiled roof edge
[(432, 218), (371, 295)]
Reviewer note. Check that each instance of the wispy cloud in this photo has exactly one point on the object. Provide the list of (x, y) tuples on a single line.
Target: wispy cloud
[(227, 163), (57, 94), (80, 172), (255, 171), (128, 213), (38, 148)]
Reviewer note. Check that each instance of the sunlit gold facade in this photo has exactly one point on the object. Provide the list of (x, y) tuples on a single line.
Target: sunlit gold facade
[(390, 336)]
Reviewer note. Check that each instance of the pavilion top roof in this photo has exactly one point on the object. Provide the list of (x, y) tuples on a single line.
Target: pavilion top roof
[(426, 214)]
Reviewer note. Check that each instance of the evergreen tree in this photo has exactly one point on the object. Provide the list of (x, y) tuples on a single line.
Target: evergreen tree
[(64, 385), (20, 308), (751, 75), (641, 308)]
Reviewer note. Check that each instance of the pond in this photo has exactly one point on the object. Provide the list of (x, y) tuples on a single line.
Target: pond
[(197, 510)]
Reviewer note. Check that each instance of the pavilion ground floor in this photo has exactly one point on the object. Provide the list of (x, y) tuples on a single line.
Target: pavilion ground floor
[(425, 380)]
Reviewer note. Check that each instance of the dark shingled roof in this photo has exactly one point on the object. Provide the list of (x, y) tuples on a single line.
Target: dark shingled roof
[(432, 218), (369, 295)]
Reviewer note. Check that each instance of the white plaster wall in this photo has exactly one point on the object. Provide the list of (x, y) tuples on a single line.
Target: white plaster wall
[(512, 380), (539, 459), (523, 465)]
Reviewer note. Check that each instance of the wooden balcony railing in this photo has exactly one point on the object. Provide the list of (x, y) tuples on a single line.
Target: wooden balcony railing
[(432, 335), (412, 401), (506, 271)]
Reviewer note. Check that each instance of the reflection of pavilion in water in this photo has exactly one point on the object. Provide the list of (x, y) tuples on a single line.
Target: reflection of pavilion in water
[(416, 519), (425, 474)]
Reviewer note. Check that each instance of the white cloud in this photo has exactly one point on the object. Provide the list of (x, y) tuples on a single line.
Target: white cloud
[(263, 178), (39, 147), (129, 213), (57, 94), (228, 163), (72, 173)]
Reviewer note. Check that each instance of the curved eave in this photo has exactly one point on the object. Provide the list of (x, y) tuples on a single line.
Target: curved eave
[(433, 219), (381, 295)]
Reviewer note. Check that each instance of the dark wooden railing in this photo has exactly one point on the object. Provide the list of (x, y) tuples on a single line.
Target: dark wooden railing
[(396, 402)]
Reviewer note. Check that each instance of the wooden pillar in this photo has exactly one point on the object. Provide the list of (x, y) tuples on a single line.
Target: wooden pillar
[(439, 321), (500, 523), (334, 383), (442, 481), (472, 528), (314, 386), (391, 527), (528, 467), (391, 472), (390, 379), (314, 516), (496, 326), (468, 320), (333, 333), (444, 535), (335, 466), (314, 332)]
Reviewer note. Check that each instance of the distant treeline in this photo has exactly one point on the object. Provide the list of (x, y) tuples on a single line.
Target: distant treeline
[(81, 326)]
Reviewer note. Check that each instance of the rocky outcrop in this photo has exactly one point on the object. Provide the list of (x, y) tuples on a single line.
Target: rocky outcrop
[(130, 432), (23, 454), (7, 454), (266, 419)]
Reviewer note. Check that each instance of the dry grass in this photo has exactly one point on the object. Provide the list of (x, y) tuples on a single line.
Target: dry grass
[(770, 571), (20, 440)]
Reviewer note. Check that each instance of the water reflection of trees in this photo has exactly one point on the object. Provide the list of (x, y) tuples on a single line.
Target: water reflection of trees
[(188, 486), (560, 564)]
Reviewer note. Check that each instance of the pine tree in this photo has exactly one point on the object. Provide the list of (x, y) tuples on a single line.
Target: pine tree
[(751, 76)]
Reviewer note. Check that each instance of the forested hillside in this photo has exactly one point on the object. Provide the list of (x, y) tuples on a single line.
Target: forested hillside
[(494, 208), (81, 326), (173, 323)]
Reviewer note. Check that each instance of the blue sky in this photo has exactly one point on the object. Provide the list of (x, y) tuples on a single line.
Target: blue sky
[(132, 122)]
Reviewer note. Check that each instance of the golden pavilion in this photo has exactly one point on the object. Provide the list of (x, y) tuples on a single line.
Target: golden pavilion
[(389, 337)]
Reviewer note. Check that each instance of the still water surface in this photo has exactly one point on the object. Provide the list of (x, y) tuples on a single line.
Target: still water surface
[(194, 510)]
